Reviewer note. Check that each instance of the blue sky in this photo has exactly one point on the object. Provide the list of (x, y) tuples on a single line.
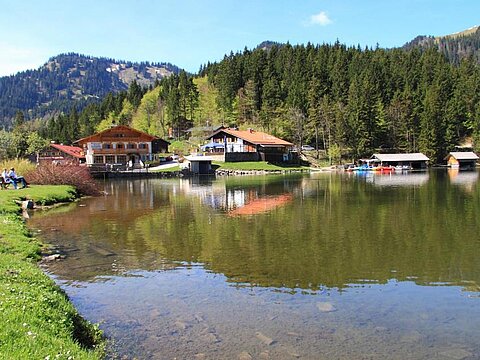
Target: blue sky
[(188, 33)]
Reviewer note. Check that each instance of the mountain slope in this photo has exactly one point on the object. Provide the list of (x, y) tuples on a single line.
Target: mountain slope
[(69, 79), (455, 46)]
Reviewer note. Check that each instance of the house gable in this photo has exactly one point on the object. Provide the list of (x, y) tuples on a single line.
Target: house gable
[(118, 133), (252, 137)]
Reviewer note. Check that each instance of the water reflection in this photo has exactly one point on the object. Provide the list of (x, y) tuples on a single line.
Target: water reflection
[(465, 179), (304, 232), (398, 179), (252, 267)]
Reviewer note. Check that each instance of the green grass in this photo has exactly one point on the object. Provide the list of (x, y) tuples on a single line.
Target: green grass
[(170, 169), (37, 319), (257, 165), (40, 194)]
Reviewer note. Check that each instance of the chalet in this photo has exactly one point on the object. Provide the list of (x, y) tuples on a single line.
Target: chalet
[(462, 160), (120, 145), (60, 154), (249, 145), (407, 161)]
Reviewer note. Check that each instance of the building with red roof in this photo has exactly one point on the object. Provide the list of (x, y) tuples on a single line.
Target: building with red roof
[(249, 145), (61, 154), (121, 144)]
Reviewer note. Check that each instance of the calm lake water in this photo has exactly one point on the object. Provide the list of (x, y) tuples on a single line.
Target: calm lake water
[(319, 266)]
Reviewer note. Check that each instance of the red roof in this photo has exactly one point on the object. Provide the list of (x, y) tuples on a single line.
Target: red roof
[(255, 137), (107, 134), (74, 151)]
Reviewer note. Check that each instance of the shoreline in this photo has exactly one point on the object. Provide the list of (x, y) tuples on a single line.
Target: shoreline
[(38, 319)]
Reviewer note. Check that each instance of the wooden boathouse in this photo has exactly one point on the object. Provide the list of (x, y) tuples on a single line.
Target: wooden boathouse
[(414, 161), (462, 160)]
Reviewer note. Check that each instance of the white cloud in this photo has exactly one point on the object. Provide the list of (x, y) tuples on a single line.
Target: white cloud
[(321, 19), (14, 59)]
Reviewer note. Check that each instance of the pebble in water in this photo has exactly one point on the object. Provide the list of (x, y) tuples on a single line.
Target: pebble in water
[(210, 335), (244, 355), (326, 307), (456, 354), (264, 339), (265, 355), (182, 325)]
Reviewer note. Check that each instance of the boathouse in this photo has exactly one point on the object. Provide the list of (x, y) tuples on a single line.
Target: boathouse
[(249, 145), (408, 160), (462, 160), (198, 165)]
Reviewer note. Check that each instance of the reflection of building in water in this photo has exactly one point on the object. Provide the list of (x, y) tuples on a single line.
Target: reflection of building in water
[(232, 200), (465, 179), (465, 160), (261, 205), (401, 179)]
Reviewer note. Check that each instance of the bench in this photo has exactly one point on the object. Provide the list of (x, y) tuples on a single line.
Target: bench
[(3, 184)]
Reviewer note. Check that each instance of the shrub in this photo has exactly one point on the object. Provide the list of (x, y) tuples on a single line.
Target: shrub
[(74, 175)]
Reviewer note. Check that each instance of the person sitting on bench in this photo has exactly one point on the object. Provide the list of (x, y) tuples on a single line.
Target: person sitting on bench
[(17, 179), (5, 179)]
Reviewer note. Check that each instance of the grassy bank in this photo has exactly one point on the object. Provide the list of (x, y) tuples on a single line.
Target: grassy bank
[(168, 169), (256, 165), (37, 320)]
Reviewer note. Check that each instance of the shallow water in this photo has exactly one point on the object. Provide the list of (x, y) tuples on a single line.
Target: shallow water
[(322, 266)]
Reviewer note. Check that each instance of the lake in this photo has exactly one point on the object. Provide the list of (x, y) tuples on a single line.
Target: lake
[(318, 266)]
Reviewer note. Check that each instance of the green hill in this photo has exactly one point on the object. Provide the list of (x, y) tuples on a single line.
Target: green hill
[(70, 79)]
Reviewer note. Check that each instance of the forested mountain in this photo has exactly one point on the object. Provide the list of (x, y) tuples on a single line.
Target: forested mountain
[(353, 99), (455, 47), (348, 100), (71, 79)]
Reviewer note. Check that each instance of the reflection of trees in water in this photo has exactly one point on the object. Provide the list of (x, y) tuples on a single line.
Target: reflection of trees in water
[(335, 231)]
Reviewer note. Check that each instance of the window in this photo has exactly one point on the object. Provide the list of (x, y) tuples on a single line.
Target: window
[(119, 146), (131, 146), (110, 159), (121, 159), (142, 146), (98, 159), (107, 146)]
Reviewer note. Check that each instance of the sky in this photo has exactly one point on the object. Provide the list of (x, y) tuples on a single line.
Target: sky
[(188, 33)]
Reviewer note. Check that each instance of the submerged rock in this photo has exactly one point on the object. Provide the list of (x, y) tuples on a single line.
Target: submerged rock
[(264, 339), (265, 355), (182, 325), (326, 307), (53, 257), (456, 354), (244, 355)]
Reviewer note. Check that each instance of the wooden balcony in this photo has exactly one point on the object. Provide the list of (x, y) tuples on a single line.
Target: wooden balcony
[(119, 151)]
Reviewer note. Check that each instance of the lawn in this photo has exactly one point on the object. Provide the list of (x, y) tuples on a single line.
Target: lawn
[(257, 165), (168, 169), (38, 321)]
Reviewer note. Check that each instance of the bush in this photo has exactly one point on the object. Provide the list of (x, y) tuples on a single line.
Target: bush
[(74, 175)]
